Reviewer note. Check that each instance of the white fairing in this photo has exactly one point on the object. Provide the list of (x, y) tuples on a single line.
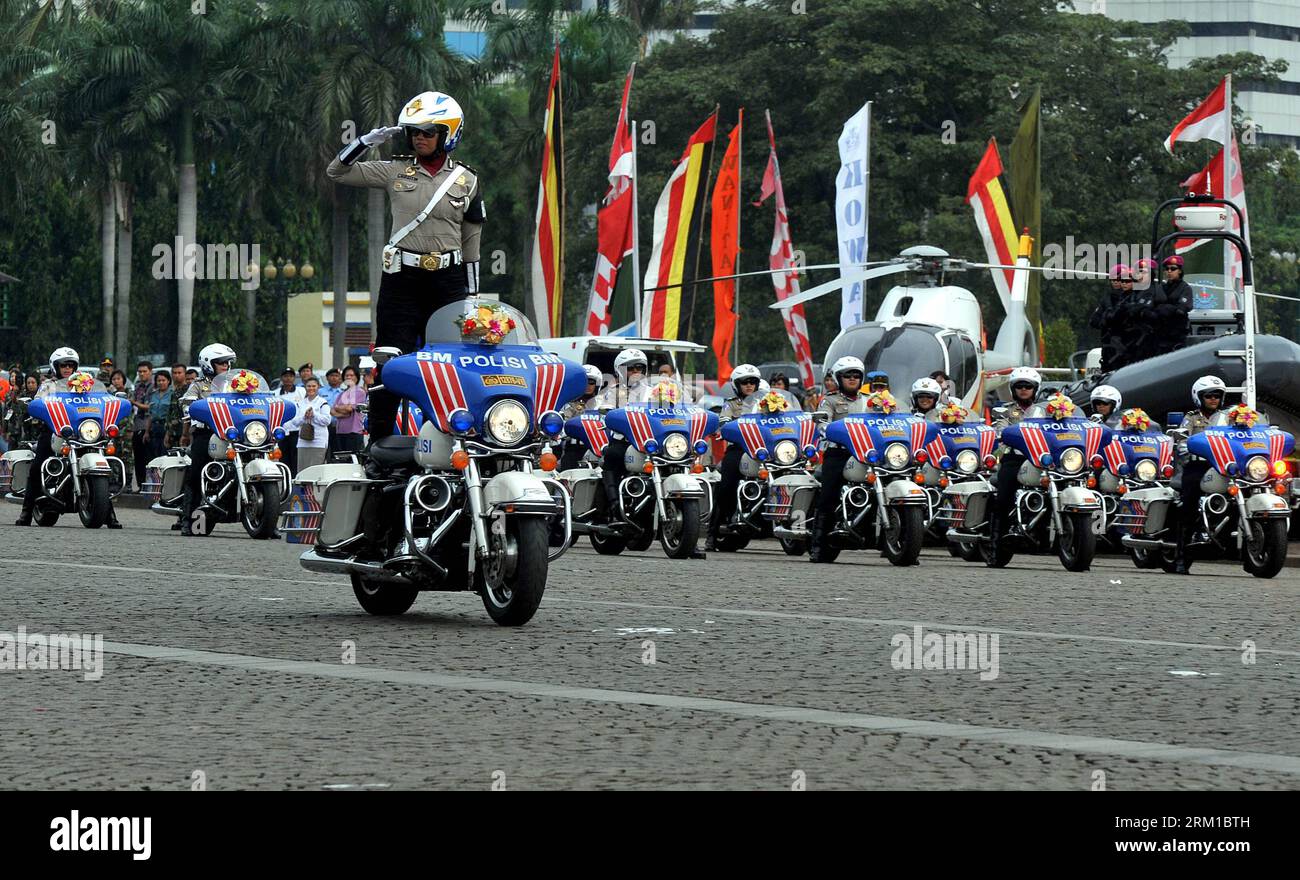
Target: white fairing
[(1267, 504), (682, 486), (904, 492), (261, 469), (433, 447), (748, 467), (93, 464), (514, 487), (163, 462), (14, 455), (324, 474), (1079, 498)]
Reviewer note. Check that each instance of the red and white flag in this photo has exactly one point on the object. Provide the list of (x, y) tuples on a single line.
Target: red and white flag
[(1212, 120), (1210, 180), (785, 275), (613, 222)]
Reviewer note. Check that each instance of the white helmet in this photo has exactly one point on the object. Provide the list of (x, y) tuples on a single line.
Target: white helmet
[(926, 385), (1024, 374), (215, 352), (742, 372), (63, 355), (845, 364), (430, 111), (1207, 383), (594, 375), (1108, 393), (626, 358)]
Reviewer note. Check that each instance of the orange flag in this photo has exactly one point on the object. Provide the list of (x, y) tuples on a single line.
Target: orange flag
[(724, 245)]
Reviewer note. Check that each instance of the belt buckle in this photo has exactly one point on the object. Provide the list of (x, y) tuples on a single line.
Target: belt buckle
[(431, 262)]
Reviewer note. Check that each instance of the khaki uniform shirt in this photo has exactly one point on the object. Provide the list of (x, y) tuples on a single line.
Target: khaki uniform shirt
[(1194, 422), (1014, 413), (839, 405), (575, 408), (455, 223)]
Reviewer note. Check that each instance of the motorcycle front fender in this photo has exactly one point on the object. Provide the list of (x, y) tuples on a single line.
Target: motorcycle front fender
[(1263, 505), (93, 464), (261, 469), (526, 493), (1077, 498), (904, 492), (682, 486)]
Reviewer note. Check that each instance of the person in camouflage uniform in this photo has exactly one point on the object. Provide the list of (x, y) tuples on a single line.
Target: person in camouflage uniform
[(1024, 382), (176, 412), (22, 429)]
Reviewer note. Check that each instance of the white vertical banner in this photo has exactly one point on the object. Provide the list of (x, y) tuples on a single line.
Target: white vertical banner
[(851, 207)]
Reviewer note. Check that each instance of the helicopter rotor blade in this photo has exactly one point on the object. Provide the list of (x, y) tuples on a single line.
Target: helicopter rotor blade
[(891, 268), (1078, 272)]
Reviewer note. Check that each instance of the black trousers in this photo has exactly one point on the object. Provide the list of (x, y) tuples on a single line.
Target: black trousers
[(724, 502), (1007, 483), (832, 480), (406, 300), (571, 457), (140, 445), (1189, 496), (35, 485), (612, 471), (199, 457)]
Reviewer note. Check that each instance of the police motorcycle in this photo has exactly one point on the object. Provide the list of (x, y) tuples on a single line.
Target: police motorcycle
[(1244, 490), (660, 494), (83, 473), (883, 503), (1056, 505), (1135, 491), (956, 471), (245, 481), (776, 488), (460, 506)]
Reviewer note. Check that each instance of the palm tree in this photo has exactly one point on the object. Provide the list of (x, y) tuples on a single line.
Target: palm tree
[(648, 16)]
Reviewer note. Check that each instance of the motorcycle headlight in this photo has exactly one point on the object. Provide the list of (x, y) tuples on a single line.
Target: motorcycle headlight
[(786, 452), (968, 461), (1072, 461), (1145, 470), (255, 433), (897, 456), (676, 446), (90, 431), (506, 422), (1256, 468)]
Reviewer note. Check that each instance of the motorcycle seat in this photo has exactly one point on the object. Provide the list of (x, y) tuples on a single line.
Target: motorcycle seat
[(393, 451)]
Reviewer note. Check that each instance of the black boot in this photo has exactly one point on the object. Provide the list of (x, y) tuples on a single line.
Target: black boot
[(187, 517), (112, 522), (817, 540), (1182, 553), (24, 518)]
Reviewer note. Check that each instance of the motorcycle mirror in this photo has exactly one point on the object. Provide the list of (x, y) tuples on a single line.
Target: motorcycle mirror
[(121, 394), (24, 400), (363, 408), (821, 417)]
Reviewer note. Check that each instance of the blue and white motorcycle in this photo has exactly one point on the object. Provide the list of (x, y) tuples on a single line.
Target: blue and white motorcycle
[(660, 494), (1135, 490), (245, 481), (462, 505), (84, 473), (883, 503), (957, 482), (775, 486)]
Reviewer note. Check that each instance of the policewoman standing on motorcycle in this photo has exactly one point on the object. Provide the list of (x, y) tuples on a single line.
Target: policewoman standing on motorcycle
[(432, 257)]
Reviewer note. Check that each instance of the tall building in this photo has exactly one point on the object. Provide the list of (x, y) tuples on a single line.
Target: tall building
[(1270, 28)]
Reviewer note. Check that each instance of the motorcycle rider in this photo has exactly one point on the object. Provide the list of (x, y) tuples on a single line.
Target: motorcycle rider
[(630, 386), (438, 214), (213, 360), (63, 363), (848, 372), (745, 382), (925, 399), (573, 449), (1024, 382), (1208, 393), (1172, 307), (1106, 401)]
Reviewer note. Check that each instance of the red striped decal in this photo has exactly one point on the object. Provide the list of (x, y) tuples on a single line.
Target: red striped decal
[(443, 386), (1222, 451), (220, 416), (1092, 441), (860, 437), (642, 433), (594, 426), (1115, 456), (918, 434), (1276, 446), (807, 431), (1166, 451), (111, 409), (276, 414), (936, 450), (1035, 443), (699, 421), (58, 414), (753, 438), (988, 439), (550, 378)]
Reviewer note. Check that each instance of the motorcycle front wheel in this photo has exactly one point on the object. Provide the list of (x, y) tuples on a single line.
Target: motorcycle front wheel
[(259, 518), (1265, 552), (513, 576), (679, 533), (93, 505), (905, 535), (1077, 542)]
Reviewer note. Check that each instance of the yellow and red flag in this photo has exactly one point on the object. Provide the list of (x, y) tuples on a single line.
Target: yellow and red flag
[(676, 239), (724, 246), (548, 237), (993, 217)]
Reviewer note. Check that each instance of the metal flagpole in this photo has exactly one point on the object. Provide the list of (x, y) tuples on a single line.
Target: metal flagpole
[(636, 236), (735, 291)]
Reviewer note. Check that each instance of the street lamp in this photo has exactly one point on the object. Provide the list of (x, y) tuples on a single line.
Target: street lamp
[(278, 277)]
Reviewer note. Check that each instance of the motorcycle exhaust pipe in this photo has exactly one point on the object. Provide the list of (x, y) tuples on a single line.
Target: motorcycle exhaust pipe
[(750, 490), (53, 468), (635, 487), (858, 497), (433, 494), (324, 565), (1217, 504), (1034, 502), (213, 472)]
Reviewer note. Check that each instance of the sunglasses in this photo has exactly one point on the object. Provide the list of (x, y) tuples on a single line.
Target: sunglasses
[(857, 376), (1213, 395)]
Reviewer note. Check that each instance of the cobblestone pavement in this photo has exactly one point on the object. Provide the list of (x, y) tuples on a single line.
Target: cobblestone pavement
[(223, 656)]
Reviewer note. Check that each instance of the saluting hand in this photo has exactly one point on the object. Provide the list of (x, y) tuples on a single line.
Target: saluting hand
[(380, 135)]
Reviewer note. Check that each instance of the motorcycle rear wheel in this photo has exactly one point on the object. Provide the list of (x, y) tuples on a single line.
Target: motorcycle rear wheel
[(46, 517), (794, 546), (1145, 557), (512, 594), (383, 599), (731, 543)]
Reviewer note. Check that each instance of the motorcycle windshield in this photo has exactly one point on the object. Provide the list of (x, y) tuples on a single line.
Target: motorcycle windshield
[(975, 436), (1228, 448), (755, 431), (868, 435), (240, 381), (1127, 448), (755, 402), (1037, 438), (472, 319), (642, 422), (68, 409)]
